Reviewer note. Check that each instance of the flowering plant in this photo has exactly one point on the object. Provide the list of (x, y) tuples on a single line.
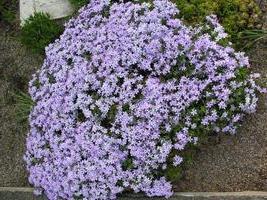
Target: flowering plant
[(122, 92)]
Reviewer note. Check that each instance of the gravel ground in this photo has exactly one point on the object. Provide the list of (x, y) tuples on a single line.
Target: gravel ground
[(16, 67)]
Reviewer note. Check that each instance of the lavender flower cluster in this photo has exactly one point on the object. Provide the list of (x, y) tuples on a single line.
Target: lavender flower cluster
[(121, 94)]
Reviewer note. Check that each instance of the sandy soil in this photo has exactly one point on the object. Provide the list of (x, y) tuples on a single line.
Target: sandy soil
[(16, 66)]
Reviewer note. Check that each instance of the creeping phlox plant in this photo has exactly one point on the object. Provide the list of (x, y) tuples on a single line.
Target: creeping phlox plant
[(122, 92)]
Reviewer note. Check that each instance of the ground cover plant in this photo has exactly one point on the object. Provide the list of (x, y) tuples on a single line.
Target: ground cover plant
[(8, 11), (234, 15), (38, 31), (123, 92)]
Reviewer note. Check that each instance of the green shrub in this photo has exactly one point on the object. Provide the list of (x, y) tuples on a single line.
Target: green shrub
[(78, 3), (23, 105), (38, 31), (8, 10), (234, 15)]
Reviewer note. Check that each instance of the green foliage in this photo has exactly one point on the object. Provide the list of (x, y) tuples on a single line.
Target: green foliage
[(234, 15), (39, 31), (252, 36), (79, 3), (173, 173), (8, 10), (128, 164), (23, 105)]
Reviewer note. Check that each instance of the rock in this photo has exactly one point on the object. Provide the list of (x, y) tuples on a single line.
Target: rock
[(55, 8)]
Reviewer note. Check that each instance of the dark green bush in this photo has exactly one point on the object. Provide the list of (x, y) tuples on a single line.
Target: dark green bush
[(234, 15), (8, 10), (38, 31), (78, 3)]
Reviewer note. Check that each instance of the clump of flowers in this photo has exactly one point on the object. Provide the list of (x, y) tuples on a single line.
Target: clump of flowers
[(122, 92)]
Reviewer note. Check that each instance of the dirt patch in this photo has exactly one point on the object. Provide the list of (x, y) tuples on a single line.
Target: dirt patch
[(16, 67)]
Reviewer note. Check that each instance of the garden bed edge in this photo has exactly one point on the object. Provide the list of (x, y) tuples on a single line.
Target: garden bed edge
[(23, 193)]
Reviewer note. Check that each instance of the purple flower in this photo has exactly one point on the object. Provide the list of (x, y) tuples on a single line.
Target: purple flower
[(177, 160), (116, 87)]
